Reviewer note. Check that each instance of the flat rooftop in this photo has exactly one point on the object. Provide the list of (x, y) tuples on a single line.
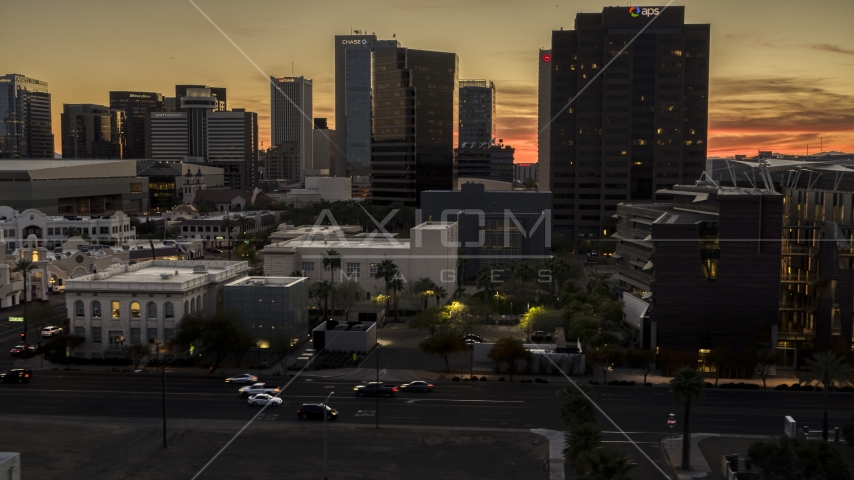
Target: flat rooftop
[(275, 282), (669, 214), (159, 275)]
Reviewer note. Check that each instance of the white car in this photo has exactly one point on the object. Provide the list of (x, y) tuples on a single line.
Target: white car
[(264, 399), (242, 378), (257, 388), (51, 331)]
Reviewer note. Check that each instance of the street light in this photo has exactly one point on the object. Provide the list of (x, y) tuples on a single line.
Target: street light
[(325, 451)]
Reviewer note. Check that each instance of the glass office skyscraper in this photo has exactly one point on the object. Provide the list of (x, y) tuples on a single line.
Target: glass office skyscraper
[(25, 120)]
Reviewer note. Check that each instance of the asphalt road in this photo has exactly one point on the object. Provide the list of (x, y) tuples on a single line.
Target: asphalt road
[(10, 332)]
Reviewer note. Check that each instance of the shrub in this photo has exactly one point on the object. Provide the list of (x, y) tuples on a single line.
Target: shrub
[(482, 379), (740, 386), (782, 386), (500, 379), (455, 379)]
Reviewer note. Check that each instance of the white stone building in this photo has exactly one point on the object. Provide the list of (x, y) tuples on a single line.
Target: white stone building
[(52, 231), (430, 251), (142, 303)]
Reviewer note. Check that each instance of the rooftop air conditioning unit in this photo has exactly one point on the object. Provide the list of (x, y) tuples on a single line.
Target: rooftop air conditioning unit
[(165, 276), (200, 269)]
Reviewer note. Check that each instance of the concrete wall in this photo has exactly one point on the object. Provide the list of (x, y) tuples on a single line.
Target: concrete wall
[(10, 466)]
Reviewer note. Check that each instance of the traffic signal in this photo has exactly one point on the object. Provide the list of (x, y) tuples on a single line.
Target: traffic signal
[(23, 336)]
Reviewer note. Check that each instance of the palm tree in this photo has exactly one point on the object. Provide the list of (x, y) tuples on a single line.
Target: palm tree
[(425, 287), (396, 285), (296, 273), (332, 259), (24, 265), (484, 281), (827, 369), (579, 443), (686, 385), (440, 293), (606, 464), (226, 226), (319, 292), (387, 270), (244, 224), (575, 409)]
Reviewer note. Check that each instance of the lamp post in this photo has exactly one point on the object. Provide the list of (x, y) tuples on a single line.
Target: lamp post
[(163, 388), (325, 451), (378, 381)]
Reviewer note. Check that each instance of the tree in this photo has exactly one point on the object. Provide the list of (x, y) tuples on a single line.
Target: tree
[(605, 357), (541, 318), (424, 288), (484, 281), (387, 270), (296, 273), (218, 334), (462, 265), (319, 294), (827, 369), (793, 459), (205, 206), (761, 361), (443, 345), (579, 444), (575, 409), (433, 319), (58, 349), (348, 294), (510, 352), (24, 266), (332, 259), (642, 359), (281, 346), (722, 357), (136, 353), (606, 463), (848, 432), (440, 294), (396, 285), (686, 385)]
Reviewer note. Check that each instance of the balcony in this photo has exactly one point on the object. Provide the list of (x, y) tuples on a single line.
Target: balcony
[(801, 278), (798, 250)]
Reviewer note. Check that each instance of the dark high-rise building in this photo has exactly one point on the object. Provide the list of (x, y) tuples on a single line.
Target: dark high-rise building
[(92, 131), (353, 99), (490, 161), (639, 127), (415, 123), (25, 121), (291, 116), (477, 111), (198, 103), (232, 144), (137, 106)]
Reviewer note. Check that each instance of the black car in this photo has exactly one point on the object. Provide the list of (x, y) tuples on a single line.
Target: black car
[(17, 375), (472, 338), (315, 410)]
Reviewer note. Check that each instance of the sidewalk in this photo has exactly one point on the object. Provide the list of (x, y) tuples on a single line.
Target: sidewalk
[(707, 450)]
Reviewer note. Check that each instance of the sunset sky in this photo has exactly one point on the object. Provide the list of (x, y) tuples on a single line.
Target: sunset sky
[(782, 72)]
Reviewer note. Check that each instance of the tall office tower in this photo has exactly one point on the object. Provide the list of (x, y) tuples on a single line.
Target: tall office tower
[(638, 128), (25, 122), (544, 95), (281, 162), (92, 131), (167, 136), (216, 92), (477, 112), (324, 146), (137, 106), (353, 100), (291, 120), (198, 103), (412, 148), (232, 140)]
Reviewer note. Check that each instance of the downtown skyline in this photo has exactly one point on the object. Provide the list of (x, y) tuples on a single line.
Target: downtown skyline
[(759, 97)]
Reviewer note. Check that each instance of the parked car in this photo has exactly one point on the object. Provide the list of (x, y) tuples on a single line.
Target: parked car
[(242, 378), (315, 410), (417, 386), (17, 375), (541, 337), (257, 388), (374, 389), (51, 331), (17, 350), (265, 399), (472, 338)]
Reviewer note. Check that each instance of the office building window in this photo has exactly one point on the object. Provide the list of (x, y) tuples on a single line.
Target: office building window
[(307, 267), (152, 310), (134, 310), (96, 309), (135, 336), (117, 310), (373, 270), (168, 310), (79, 311), (80, 332), (168, 334), (116, 338), (96, 334), (353, 270), (152, 335)]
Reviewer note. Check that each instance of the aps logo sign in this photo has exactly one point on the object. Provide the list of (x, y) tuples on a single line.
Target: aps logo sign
[(645, 11)]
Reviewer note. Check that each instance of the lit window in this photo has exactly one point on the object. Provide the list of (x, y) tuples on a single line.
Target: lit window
[(116, 308), (134, 310)]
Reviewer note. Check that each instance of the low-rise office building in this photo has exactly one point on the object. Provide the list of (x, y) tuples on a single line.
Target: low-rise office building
[(73, 187), (211, 227), (497, 227), (430, 251), (708, 266), (142, 304), (270, 307)]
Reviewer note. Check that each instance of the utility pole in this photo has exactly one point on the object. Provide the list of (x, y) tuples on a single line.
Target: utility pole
[(163, 386), (378, 381)]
